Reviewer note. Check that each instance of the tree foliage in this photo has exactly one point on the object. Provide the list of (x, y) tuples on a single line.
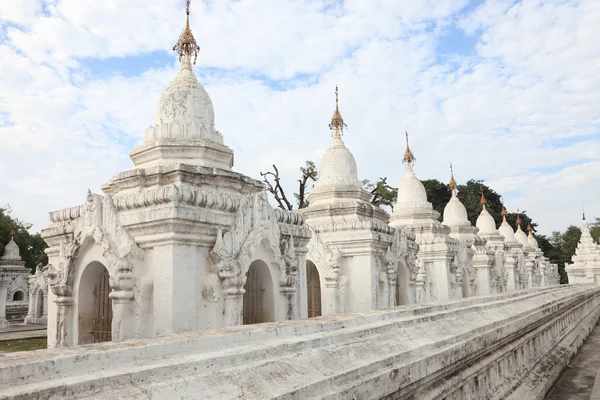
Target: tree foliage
[(31, 246), (273, 182), (383, 194)]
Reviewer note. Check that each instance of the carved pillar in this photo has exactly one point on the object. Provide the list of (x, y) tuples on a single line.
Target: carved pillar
[(122, 302), (393, 283), (511, 270), (4, 280), (31, 306), (482, 263), (64, 321), (234, 303), (45, 306), (421, 285), (530, 272)]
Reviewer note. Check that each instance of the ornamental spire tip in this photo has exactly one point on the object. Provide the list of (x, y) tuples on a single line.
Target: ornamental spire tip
[(186, 45)]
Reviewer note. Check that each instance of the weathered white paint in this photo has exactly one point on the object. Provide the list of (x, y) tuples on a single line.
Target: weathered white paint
[(504, 346)]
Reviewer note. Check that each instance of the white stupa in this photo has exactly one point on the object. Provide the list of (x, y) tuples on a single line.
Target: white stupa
[(585, 267)]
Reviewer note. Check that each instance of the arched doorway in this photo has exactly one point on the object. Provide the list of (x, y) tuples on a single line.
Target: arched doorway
[(94, 305), (39, 304), (313, 290), (18, 296), (258, 299), (402, 285)]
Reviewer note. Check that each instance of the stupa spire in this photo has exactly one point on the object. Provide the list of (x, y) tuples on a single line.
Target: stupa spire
[(482, 201), (504, 213), (518, 222), (186, 45), (337, 124), (409, 159), (452, 183)]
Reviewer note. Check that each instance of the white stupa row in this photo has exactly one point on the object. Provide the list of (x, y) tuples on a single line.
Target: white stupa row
[(181, 242)]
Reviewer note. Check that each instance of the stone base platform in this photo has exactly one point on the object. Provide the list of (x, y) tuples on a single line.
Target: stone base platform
[(507, 346)]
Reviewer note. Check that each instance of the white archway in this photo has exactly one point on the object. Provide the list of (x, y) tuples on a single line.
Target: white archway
[(313, 290), (94, 307), (19, 295), (258, 300), (402, 285), (39, 303)]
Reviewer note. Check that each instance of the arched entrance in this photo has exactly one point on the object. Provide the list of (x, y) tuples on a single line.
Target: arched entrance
[(39, 304), (94, 305), (402, 285), (258, 300), (18, 296), (313, 290)]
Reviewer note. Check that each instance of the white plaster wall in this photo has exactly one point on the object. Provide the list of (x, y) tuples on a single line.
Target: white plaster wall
[(505, 346)]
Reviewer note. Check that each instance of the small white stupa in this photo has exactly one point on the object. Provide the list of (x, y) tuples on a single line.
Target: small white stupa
[(456, 217), (585, 267), (412, 207), (12, 267)]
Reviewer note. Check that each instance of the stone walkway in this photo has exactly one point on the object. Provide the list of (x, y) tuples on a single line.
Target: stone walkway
[(577, 382), (22, 331)]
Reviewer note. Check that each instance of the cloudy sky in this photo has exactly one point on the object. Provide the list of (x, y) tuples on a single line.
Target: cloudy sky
[(508, 91)]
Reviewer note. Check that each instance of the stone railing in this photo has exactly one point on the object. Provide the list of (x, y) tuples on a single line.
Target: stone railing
[(505, 346)]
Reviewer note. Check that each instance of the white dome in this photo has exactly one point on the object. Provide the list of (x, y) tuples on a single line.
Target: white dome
[(485, 222), (532, 242), (184, 110), (338, 166), (521, 237), (455, 213), (506, 231), (11, 252), (411, 190)]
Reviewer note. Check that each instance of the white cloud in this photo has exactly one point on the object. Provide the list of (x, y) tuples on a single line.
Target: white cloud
[(524, 101)]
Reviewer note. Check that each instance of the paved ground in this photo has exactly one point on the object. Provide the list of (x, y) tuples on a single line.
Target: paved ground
[(576, 383), (22, 331)]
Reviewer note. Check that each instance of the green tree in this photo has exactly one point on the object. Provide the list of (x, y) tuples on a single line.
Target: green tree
[(383, 194), (595, 230), (438, 194), (31, 247)]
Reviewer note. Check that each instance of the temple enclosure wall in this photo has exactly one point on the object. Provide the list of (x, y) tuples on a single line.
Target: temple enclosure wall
[(504, 346)]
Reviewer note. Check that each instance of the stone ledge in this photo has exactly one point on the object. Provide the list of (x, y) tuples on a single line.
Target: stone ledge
[(427, 351)]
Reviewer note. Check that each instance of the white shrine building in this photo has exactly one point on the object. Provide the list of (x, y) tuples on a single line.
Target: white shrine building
[(181, 242)]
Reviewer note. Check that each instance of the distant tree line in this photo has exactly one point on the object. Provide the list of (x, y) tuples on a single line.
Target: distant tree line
[(31, 246), (559, 247)]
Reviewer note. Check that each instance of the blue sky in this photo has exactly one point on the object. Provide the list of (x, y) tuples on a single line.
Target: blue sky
[(505, 90)]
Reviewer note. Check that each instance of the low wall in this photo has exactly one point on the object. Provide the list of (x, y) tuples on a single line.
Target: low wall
[(508, 346), (16, 311)]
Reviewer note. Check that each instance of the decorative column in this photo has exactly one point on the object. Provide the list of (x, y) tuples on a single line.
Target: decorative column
[(482, 262), (511, 266), (31, 307), (4, 281), (122, 297), (64, 318)]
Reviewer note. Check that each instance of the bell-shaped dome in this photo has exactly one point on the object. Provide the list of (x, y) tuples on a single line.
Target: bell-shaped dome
[(184, 110), (411, 190), (521, 236), (338, 166), (11, 252), (485, 222), (455, 213), (532, 241), (506, 230)]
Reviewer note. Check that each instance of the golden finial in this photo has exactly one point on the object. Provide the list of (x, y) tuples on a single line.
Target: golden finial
[(452, 183), (409, 158), (337, 122), (529, 228), (504, 213), (482, 201), (519, 221), (186, 45), (13, 233)]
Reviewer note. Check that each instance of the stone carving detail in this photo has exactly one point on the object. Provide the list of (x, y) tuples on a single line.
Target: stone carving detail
[(255, 223), (96, 220), (176, 194)]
